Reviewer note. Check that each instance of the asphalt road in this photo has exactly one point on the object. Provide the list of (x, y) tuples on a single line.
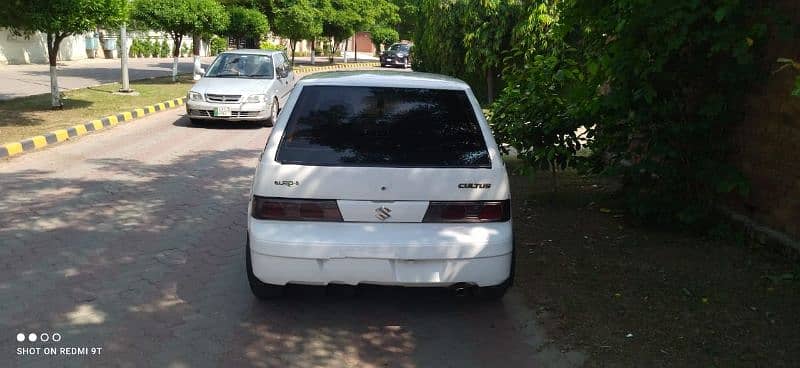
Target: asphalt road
[(132, 240)]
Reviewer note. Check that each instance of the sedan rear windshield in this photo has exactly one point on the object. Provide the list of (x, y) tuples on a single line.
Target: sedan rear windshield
[(380, 126)]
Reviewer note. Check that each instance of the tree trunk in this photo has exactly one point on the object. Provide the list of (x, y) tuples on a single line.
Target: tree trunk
[(344, 53), (126, 85), (53, 42), (294, 44), (333, 50), (176, 53), (313, 50), (355, 47), (196, 52), (490, 75)]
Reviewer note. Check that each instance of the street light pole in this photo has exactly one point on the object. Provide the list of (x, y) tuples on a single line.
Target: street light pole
[(126, 86)]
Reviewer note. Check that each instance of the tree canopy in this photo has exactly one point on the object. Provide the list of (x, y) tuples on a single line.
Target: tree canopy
[(343, 18), (383, 35), (181, 17), (58, 20), (644, 88), (407, 18), (246, 23), (61, 17), (298, 20)]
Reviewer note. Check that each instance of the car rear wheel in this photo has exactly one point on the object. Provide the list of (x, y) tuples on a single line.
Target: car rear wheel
[(260, 289), (493, 292)]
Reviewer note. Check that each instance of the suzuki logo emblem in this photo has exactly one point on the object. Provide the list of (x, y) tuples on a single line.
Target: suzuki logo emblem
[(382, 213)]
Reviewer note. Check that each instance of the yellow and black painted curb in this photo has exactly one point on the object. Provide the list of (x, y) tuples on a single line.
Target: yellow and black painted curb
[(312, 69), (39, 141)]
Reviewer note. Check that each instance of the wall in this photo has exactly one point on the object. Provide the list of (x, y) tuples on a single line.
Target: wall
[(33, 49), (363, 42), (767, 143)]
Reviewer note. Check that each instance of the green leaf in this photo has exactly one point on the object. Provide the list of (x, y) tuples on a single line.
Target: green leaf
[(720, 14)]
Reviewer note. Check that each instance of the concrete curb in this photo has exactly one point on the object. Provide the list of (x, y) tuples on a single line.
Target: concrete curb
[(311, 69), (763, 234), (48, 139)]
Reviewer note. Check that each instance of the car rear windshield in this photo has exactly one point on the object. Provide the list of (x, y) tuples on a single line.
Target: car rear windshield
[(379, 126)]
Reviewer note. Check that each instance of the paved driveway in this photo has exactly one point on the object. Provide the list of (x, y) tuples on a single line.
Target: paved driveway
[(131, 240), (25, 80)]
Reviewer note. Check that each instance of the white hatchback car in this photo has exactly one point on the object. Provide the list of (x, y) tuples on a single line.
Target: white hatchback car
[(242, 85), (389, 178)]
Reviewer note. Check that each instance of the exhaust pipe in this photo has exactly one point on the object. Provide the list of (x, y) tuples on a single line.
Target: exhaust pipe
[(461, 289)]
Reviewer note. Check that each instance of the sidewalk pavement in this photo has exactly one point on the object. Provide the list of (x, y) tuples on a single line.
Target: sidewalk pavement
[(33, 79)]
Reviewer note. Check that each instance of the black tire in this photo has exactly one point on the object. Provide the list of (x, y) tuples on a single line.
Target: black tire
[(497, 292), (260, 289), (492, 292)]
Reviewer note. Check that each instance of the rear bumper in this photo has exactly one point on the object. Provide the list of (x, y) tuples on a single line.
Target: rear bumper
[(378, 253), (351, 271)]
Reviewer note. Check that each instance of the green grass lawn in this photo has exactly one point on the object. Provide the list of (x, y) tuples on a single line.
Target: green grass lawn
[(25, 117)]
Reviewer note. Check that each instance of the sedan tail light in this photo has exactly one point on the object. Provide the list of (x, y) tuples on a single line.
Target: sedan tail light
[(269, 208), (468, 211)]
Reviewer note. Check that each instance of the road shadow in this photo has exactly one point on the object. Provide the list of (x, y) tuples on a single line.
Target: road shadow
[(23, 111), (147, 262), (184, 122)]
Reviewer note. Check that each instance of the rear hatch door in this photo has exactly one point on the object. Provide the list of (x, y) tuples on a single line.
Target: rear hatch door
[(383, 153)]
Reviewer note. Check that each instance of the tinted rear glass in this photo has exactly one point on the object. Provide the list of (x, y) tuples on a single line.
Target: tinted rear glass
[(377, 126)]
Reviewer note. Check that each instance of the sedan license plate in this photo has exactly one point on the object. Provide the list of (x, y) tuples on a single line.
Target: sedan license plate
[(222, 111)]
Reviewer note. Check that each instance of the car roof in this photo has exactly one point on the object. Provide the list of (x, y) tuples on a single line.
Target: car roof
[(381, 78), (252, 52)]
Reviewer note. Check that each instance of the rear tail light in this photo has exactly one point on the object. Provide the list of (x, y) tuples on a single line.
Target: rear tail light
[(472, 211), (267, 208)]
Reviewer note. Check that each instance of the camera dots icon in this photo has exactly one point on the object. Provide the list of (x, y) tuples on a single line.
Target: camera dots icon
[(43, 337)]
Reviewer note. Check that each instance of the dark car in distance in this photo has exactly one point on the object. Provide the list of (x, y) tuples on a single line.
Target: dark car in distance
[(399, 54)]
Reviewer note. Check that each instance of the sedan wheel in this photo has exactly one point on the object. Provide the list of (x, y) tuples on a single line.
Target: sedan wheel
[(273, 114)]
